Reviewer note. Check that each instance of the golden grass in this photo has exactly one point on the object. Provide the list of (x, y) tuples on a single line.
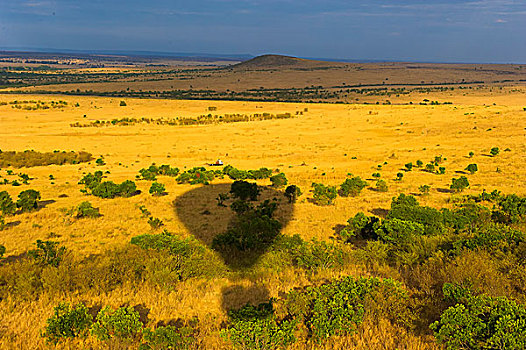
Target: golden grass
[(315, 147)]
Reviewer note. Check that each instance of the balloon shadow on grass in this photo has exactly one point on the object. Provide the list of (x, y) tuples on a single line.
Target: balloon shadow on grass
[(205, 217)]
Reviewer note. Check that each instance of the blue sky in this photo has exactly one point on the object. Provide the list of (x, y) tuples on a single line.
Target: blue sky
[(414, 30)]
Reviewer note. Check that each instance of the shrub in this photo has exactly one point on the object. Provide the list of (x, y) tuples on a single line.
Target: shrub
[(471, 154), (512, 208), (399, 232), (441, 170), (256, 327), (168, 337), (198, 175), (399, 176), (480, 322), (91, 180), (419, 163), (122, 103), (155, 223), (409, 166), (106, 189), (279, 180), (460, 184), (494, 151), (338, 307), (315, 255), (127, 188), (292, 192), (7, 206), (244, 190), (472, 168), (407, 208), (156, 189), (381, 186), (28, 200), (352, 187), (47, 253), (122, 323), (100, 161), (424, 189), (376, 175), (430, 168), (86, 210), (67, 322), (360, 226), (324, 195), (2, 251)]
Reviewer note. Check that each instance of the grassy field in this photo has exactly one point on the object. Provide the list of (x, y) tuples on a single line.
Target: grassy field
[(321, 144)]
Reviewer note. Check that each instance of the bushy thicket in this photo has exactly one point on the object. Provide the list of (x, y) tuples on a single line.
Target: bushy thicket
[(94, 185), (32, 158), (153, 171)]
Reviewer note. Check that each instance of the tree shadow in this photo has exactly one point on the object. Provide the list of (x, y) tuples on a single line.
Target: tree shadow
[(445, 190), (12, 224), (460, 172), (380, 212), (43, 204)]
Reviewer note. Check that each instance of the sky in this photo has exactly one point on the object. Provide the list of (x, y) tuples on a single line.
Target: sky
[(478, 31)]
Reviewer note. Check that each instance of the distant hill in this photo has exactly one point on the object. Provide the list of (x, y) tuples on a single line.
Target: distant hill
[(280, 61)]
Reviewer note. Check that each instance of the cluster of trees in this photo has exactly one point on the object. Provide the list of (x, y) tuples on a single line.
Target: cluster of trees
[(94, 185), (203, 119), (27, 201), (325, 195), (30, 158)]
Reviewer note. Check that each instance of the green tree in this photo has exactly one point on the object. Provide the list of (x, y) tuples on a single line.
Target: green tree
[(7, 206), (292, 192), (86, 210), (67, 322), (409, 166), (123, 323), (494, 151), (324, 195), (381, 186), (279, 180), (472, 168), (47, 253), (156, 189), (352, 186), (460, 184), (28, 200)]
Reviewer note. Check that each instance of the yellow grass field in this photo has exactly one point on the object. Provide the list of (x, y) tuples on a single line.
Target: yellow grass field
[(323, 144)]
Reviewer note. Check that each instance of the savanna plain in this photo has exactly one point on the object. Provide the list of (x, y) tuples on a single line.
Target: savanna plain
[(370, 226)]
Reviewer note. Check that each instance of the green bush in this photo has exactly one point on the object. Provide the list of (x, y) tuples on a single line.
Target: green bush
[(324, 195), (123, 323), (106, 189), (481, 322), (156, 189), (407, 208), (155, 223), (279, 180), (352, 186), (28, 200), (7, 206), (430, 168), (292, 192), (168, 337), (381, 186), (122, 103), (419, 163), (67, 322), (424, 189), (47, 253), (28, 158), (494, 151), (409, 166), (86, 210), (244, 190), (472, 168), (256, 327), (360, 226), (339, 307), (399, 232), (2, 251), (198, 175), (127, 188), (460, 184)]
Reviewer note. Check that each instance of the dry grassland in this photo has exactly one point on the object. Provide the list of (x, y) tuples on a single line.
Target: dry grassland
[(318, 146)]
